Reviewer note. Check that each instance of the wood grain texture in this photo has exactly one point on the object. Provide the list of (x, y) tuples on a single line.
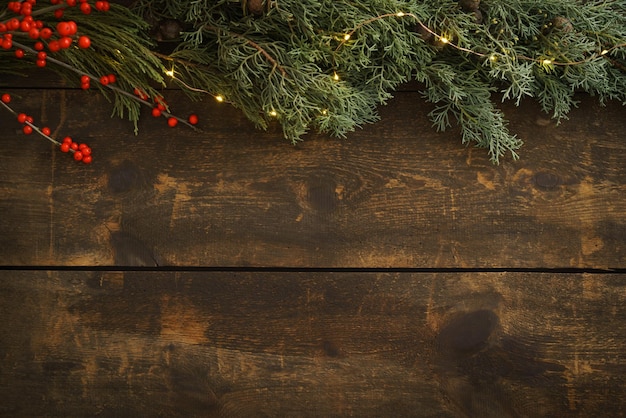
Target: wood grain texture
[(112, 343), (393, 194)]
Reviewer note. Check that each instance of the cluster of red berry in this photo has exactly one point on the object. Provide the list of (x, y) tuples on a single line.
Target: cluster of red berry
[(105, 80), (48, 40), (44, 36), (81, 151), (160, 109)]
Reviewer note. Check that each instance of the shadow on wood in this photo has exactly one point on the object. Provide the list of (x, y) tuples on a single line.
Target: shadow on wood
[(311, 344)]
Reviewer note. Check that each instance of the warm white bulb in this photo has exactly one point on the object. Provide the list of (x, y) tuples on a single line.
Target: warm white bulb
[(444, 40), (400, 14), (336, 77), (219, 98), (547, 62), (604, 52), (346, 37), (170, 73), (273, 113)]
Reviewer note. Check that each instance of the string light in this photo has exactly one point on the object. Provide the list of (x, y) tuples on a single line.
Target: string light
[(492, 57), (219, 98), (170, 73), (273, 113), (335, 76)]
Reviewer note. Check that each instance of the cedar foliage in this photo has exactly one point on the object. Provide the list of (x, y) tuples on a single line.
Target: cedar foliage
[(328, 64)]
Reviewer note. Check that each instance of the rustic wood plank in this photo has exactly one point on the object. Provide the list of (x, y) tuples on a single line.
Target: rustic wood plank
[(113, 343), (394, 194)]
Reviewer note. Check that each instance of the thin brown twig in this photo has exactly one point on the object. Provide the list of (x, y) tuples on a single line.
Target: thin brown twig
[(252, 44)]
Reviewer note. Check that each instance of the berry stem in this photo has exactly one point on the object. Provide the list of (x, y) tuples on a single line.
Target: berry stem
[(35, 127), (109, 86), (48, 9)]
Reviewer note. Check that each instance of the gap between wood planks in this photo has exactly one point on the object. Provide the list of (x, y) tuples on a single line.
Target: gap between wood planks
[(608, 271)]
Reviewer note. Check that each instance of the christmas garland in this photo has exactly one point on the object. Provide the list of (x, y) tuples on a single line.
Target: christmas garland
[(325, 64)]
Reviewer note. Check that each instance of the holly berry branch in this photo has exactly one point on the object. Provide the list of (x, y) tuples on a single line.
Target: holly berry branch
[(27, 32), (81, 152)]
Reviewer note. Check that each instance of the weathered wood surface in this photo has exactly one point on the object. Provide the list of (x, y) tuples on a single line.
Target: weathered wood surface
[(117, 342), (394, 194), (112, 343)]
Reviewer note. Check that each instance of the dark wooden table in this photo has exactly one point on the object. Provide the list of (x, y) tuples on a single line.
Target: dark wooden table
[(229, 273)]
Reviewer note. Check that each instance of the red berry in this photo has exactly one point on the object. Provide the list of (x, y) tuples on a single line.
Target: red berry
[(73, 27), (41, 55), (84, 79), (193, 119), (19, 53), (85, 86), (29, 119), (85, 8), (13, 24), (27, 129), (172, 121), (26, 9), (45, 33), (104, 80), (67, 140), (71, 3), (160, 101), (65, 42), (21, 118), (6, 98), (6, 43), (65, 147), (38, 46), (87, 159), (3, 27), (24, 26), (156, 112), (86, 151), (45, 130), (142, 95), (78, 155), (40, 63), (112, 78), (84, 42), (64, 29), (58, 13), (74, 146), (54, 46), (33, 33)]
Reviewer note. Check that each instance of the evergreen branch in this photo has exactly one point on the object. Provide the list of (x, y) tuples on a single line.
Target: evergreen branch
[(299, 65), (252, 44)]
